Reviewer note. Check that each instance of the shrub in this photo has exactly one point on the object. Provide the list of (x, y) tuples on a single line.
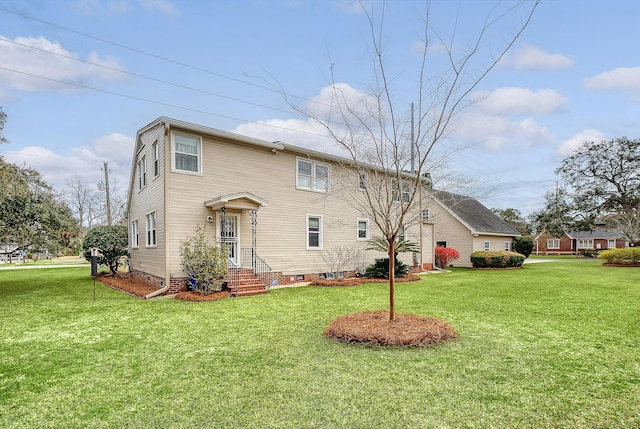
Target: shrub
[(445, 255), (113, 242), (205, 262), (628, 256), (523, 245), (589, 253), (380, 269), (496, 259)]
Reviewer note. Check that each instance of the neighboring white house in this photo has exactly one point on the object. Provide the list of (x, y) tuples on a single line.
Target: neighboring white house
[(277, 206), (463, 223)]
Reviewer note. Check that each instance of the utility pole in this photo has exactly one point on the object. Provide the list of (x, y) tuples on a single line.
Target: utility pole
[(106, 189)]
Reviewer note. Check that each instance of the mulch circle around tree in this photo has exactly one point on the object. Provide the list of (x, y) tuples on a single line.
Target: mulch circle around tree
[(374, 327)]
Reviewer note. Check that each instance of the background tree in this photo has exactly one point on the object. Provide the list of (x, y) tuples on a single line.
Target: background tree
[(373, 128), (113, 242), (3, 121), (603, 180), (557, 217), (523, 245), (514, 218), (32, 217)]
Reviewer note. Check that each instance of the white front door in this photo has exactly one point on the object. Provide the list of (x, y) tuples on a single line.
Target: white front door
[(232, 237)]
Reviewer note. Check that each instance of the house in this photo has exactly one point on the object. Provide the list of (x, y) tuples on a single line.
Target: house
[(277, 207), (575, 242), (463, 223)]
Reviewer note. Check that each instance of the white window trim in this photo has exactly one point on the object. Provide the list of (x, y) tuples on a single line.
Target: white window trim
[(584, 243), (363, 178), (507, 246), (487, 245), (403, 192), (367, 229), (151, 234), (173, 153), (611, 243), (551, 243), (156, 159), (135, 234), (142, 172), (427, 218), (320, 233), (313, 176)]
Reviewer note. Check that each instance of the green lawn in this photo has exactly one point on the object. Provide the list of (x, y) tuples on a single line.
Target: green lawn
[(550, 345)]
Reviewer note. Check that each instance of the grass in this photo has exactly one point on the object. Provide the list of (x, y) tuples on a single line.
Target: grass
[(550, 345)]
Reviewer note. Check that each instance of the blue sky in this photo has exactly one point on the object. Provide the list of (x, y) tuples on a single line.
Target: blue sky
[(574, 75)]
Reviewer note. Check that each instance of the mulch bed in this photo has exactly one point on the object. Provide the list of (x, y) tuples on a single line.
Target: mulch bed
[(139, 288), (355, 281), (374, 327)]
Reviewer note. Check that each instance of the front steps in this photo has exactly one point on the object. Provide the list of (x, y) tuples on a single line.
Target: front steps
[(244, 282)]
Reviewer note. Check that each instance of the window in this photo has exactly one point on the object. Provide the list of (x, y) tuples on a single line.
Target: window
[(312, 175), (134, 233), (151, 229), (156, 170), (441, 244), (404, 192), (142, 172), (314, 232), (186, 151), (362, 180), (363, 229), (611, 244), (506, 246), (402, 233), (487, 245), (425, 215), (585, 244), (553, 243)]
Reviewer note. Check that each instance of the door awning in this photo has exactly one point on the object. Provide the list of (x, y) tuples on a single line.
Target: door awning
[(237, 201)]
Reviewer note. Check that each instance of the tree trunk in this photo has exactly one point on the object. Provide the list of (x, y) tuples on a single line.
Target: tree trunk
[(392, 278)]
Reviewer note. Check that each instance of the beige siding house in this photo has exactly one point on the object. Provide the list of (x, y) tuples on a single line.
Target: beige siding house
[(463, 223), (274, 204)]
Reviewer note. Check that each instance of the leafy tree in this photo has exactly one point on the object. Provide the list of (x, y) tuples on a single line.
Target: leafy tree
[(3, 121), (557, 217), (523, 245), (205, 262), (113, 242), (31, 216), (603, 180), (514, 218), (373, 128)]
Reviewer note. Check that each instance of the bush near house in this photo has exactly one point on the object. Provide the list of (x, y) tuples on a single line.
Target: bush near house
[(205, 262), (445, 256), (496, 259), (380, 269), (628, 256)]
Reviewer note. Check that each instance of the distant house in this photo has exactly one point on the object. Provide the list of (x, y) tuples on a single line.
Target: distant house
[(576, 241), (463, 223), (273, 204)]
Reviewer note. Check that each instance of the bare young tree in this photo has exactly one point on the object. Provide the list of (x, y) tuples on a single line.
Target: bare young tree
[(374, 131)]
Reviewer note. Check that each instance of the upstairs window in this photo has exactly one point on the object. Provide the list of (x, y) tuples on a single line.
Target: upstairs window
[(362, 180), (312, 175), (142, 172), (156, 169), (402, 192), (425, 215), (186, 153)]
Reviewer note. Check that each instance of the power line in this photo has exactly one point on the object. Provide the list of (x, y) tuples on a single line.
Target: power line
[(175, 106)]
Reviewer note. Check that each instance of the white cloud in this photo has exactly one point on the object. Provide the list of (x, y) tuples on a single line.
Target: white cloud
[(39, 65), (86, 161), (163, 6), (521, 101), (497, 132), (568, 147), (527, 57), (621, 78)]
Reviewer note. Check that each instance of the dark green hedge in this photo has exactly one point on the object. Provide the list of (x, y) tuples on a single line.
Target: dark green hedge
[(496, 259)]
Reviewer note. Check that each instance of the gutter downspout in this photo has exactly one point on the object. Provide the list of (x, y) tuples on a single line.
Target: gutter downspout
[(167, 275)]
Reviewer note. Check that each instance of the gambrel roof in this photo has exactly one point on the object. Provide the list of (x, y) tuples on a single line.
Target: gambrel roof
[(471, 213)]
